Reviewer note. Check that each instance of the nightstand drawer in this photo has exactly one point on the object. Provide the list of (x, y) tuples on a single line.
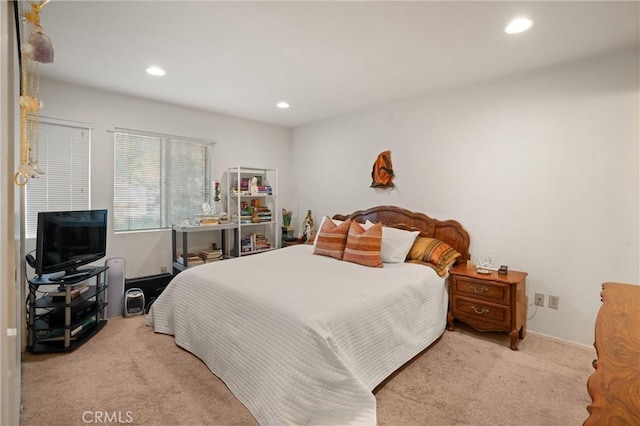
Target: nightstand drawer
[(482, 311), (485, 290)]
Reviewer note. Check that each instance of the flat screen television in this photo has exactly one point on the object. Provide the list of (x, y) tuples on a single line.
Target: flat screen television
[(67, 240)]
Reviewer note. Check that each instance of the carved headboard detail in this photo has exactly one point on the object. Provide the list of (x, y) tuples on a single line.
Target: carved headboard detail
[(448, 231)]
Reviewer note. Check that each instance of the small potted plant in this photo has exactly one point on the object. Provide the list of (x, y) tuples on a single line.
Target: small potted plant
[(287, 230)]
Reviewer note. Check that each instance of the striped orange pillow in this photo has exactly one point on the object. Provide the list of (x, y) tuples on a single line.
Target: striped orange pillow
[(363, 246), (332, 239), (437, 254)]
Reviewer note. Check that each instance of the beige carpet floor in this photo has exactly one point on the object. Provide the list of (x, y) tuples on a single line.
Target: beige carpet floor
[(129, 374)]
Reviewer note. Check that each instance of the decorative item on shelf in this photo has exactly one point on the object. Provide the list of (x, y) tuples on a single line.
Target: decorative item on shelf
[(287, 230), (253, 189), (216, 192), (287, 234), (36, 49), (255, 217), (308, 226), (382, 173), (485, 264), (503, 270), (207, 217), (245, 213), (286, 218)]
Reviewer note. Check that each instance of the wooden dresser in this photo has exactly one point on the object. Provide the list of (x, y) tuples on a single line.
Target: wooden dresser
[(615, 385)]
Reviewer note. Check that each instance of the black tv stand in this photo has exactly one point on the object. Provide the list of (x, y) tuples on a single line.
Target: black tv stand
[(62, 320), (72, 275)]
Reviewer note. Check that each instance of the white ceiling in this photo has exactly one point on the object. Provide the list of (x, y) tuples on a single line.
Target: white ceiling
[(324, 58)]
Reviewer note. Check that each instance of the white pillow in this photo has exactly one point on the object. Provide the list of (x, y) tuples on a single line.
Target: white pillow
[(396, 243)]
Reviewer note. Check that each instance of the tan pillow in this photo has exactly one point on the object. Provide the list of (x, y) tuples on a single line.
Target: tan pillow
[(363, 246), (437, 254), (332, 238)]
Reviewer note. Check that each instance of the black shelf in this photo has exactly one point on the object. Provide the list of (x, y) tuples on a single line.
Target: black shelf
[(59, 302), (58, 346), (46, 279), (44, 322), (56, 325)]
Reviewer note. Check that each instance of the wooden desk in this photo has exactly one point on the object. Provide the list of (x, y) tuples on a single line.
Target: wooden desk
[(615, 385)]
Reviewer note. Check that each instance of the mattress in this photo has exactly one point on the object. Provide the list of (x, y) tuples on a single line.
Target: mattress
[(300, 338)]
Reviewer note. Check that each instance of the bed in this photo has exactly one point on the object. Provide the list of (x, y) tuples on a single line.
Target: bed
[(305, 339)]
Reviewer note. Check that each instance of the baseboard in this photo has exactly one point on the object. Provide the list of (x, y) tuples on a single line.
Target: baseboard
[(558, 339)]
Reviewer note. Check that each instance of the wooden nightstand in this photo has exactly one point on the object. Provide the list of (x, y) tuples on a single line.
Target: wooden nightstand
[(291, 243), (489, 302)]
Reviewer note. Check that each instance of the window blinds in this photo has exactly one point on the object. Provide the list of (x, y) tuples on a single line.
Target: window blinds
[(159, 180), (64, 157)]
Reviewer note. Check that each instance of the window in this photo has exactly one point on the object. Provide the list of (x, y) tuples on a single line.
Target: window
[(64, 157), (159, 180)]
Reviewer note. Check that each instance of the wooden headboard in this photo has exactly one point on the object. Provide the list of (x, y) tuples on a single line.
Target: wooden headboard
[(448, 231)]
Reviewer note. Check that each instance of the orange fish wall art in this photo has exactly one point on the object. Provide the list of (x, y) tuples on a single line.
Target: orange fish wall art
[(382, 173)]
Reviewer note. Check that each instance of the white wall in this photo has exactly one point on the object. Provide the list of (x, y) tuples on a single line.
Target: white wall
[(541, 169), (238, 142)]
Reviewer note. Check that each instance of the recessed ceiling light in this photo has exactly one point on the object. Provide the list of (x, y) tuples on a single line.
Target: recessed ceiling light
[(283, 105), (155, 71), (518, 25)]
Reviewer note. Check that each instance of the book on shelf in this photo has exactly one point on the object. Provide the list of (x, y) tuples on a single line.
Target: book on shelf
[(264, 190), (210, 255), (254, 242), (244, 190), (57, 334), (84, 325), (192, 259), (75, 292), (53, 336)]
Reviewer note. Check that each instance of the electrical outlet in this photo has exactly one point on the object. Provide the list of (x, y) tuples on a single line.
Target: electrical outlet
[(163, 269), (540, 299), (554, 302)]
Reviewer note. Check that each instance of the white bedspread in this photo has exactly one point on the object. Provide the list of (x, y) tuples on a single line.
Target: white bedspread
[(300, 338)]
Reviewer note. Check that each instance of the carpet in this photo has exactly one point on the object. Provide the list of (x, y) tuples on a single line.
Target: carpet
[(128, 374)]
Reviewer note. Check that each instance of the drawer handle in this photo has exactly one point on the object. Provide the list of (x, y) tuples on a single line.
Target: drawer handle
[(479, 311), (478, 289)]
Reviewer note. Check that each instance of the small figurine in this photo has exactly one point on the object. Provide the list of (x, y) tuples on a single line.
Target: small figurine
[(254, 186), (216, 196), (255, 217), (308, 226)]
